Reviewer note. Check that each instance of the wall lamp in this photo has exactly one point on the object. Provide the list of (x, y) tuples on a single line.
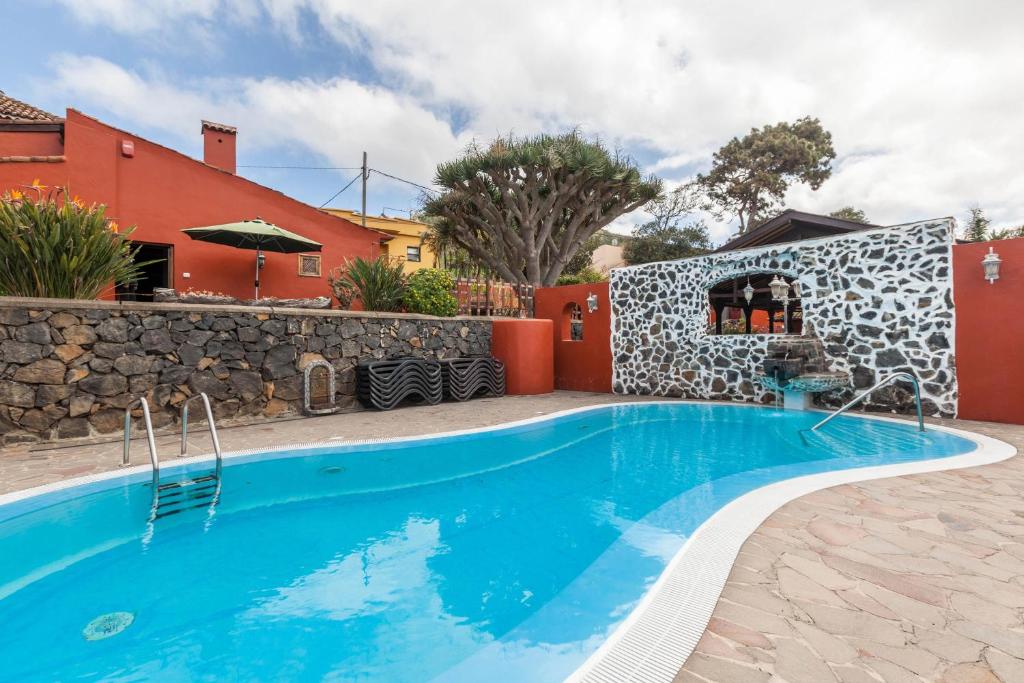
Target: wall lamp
[(991, 265), (591, 303)]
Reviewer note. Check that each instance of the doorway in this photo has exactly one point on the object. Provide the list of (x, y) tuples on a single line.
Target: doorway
[(153, 275)]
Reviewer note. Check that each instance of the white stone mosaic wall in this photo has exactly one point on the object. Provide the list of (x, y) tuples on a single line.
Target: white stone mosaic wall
[(879, 300)]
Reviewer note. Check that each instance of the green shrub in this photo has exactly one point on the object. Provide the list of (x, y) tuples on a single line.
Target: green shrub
[(378, 284), (55, 246), (430, 292), (585, 276)]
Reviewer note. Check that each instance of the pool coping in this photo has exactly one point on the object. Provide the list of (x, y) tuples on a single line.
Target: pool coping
[(660, 633)]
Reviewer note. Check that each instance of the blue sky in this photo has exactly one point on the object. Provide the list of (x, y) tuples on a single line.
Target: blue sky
[(922, 98)]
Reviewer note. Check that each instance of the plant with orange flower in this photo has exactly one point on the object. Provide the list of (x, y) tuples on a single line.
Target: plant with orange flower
[(54, 246)]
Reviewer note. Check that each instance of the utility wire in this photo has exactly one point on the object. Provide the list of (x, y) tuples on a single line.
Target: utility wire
[(341, 190), (403, 180), (308, 168)]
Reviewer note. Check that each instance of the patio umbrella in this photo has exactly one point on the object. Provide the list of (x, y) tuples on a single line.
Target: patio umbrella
[(255, 234)]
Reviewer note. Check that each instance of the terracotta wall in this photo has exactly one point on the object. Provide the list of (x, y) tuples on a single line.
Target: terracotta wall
[(162, 191), (584, 365), (524, 346), (990, 332)]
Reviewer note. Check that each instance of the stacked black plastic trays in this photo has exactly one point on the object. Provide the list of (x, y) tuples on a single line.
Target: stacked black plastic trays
[(465, 378), (383, 384)]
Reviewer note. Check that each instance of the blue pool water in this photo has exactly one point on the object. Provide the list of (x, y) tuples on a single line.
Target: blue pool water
[(503, 555)]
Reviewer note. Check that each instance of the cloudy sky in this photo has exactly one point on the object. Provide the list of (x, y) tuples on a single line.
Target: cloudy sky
[(925, 100)]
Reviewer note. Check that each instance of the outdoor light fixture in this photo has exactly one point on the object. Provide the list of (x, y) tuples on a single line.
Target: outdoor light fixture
[(796, 288), (591, 303), (748, 292), (991, 265), (780, 288), (261, 260)]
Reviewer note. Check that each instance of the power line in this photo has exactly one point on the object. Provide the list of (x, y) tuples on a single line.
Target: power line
[(340, 191), (403, 180), (307, 168)]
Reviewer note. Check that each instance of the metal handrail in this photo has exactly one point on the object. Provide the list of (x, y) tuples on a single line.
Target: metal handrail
[(891, 378), (153, 459), (209, 419)]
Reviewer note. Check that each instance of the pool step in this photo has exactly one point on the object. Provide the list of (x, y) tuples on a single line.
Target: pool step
[(847, 439), (178, 496)]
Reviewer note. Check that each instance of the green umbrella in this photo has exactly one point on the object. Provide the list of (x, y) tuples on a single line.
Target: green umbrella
[(255, 234)]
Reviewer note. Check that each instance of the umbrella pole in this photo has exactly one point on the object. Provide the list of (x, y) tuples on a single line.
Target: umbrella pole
[(257, 275)]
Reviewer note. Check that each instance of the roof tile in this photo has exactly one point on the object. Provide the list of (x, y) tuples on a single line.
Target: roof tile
[(16, 110)]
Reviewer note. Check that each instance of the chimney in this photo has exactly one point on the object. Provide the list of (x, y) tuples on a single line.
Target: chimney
[(219, 145)]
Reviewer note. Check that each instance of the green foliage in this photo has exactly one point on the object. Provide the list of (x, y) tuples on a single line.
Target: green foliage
[(524, 206), (750, 176), (54, 246), (585, 276), (379, 284), (655, 242), (429, 291), (977, 226), (581, 261), (850, 213), (1006, 233)]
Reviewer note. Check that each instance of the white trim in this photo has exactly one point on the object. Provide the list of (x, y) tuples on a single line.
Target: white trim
[(655, 640)]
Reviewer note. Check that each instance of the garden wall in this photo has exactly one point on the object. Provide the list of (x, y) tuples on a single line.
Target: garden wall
[(879, 300), (69, 368), (584, 364)]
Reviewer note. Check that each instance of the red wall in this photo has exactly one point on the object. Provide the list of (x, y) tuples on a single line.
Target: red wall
[(162, 191), (524, 346), (990, 332), (584, 365)]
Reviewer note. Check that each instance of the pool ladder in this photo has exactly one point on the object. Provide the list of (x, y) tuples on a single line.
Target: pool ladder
[(881, 383), (172, 497)]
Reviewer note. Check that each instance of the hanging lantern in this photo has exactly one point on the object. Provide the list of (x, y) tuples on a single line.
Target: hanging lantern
[(780, 288), (748, 292), (991, 265), (796, 288)]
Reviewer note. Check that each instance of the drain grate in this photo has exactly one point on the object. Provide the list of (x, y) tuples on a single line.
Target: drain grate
[(107, 625), (332, 469)]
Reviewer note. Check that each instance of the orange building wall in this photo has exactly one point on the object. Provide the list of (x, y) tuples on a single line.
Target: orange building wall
[(524, 346), (990, 333), (162, 191), (584, 365)]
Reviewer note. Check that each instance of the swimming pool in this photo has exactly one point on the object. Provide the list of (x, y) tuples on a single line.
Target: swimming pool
[(514, 551)]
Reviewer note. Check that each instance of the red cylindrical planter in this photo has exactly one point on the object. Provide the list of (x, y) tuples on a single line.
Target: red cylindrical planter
[(524, 346)]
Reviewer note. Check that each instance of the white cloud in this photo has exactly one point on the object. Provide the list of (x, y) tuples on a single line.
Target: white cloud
[(923, 98), (336, 119)]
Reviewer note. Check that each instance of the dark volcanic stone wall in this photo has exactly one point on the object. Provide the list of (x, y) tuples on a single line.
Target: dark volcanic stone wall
[(69, 369), (879, 301)]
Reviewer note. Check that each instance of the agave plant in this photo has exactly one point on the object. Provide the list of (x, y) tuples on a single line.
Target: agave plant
[(52, 245), (379, 284)]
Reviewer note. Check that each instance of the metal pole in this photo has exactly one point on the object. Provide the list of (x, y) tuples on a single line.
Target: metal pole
[(364, 188), (257, 275)]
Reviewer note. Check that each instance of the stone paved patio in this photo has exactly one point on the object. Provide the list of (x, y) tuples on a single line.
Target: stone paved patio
[(909, 579), (917, 578)]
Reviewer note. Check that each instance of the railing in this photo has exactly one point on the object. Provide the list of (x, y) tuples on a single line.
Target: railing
[(887, 380), (126, 457), (493, 298), (209, 420)]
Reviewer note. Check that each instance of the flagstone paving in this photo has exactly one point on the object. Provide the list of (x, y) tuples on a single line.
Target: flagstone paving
[(902, 580), (909, 579)]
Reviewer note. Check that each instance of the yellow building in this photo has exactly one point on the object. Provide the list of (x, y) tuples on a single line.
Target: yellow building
[(406, 242)]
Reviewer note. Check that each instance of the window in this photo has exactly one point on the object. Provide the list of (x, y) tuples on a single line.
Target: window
[(572, 322), (412, 254), (763, 313), (309, 265)]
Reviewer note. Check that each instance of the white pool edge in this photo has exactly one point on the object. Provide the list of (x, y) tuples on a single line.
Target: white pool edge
[(661, 632), (655, 640)]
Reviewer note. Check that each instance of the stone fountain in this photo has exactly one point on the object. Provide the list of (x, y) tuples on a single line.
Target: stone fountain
[(795, 367)]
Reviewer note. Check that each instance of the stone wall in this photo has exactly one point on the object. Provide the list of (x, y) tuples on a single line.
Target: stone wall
[(69, 368), (879, 300)]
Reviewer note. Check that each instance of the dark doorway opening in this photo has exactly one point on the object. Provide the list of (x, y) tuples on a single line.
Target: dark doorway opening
[(154, 275)]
